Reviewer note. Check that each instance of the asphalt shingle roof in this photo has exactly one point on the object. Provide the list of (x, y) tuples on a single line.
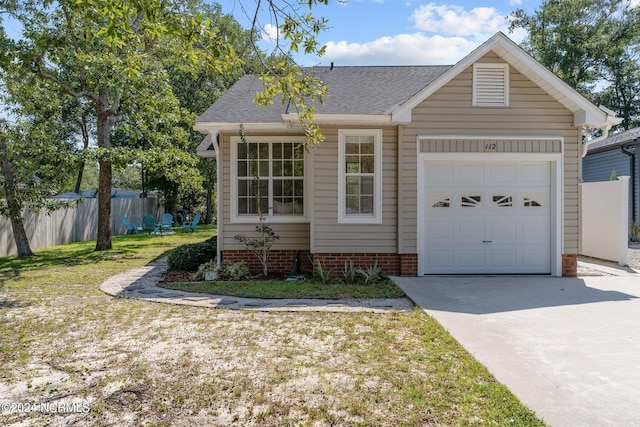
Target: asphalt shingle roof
[(351, 90), (615, 141)]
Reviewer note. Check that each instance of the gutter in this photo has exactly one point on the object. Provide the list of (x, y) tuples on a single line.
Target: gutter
[(632, 168)]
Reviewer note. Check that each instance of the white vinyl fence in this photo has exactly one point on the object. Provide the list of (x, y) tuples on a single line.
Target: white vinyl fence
[(76, 223), (604, 221)]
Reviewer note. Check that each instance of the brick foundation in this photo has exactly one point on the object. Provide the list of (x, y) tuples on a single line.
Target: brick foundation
[(569, 265), (409, 264), (280, 261)]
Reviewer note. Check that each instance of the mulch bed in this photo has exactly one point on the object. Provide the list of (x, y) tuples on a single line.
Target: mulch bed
[(173, 276)]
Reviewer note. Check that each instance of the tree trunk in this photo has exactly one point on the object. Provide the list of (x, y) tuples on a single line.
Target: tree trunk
[(14, 205), (104, 185), (85, 139)]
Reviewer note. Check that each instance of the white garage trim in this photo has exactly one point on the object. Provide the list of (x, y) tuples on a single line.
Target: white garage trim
[(556, 196)]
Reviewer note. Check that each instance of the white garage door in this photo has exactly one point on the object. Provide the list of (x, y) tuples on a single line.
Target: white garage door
[(487, 217)]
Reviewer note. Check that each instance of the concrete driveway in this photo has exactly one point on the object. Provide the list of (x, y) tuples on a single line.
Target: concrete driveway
[(569, 348)]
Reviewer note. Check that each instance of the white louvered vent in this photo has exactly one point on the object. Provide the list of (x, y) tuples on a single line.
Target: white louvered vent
[(491, 85)]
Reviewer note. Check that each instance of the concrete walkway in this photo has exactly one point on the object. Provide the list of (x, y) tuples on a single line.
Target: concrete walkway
[(142, 283), (569, 348)]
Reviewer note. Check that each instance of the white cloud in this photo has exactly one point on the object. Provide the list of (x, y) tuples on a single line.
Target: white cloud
[(458, 32), (270, 33), (455, 20), (515, 2), (634, 3), (402, 49)]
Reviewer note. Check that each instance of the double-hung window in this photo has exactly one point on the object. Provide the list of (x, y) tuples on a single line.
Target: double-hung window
[(268, 178), (360, 176)]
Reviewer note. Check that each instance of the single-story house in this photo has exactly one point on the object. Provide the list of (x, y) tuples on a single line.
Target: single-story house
[(616, 155), (464, 169)]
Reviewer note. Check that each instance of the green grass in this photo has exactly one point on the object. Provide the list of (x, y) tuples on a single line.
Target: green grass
[(297, 289), (141, 363)]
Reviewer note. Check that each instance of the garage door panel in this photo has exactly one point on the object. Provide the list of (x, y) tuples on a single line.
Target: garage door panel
[(493, 218), (471, 230), (503, 230), (440, 230), (470, 174), (535, 230), (503, 258), (535, 259), (502, 173), (440, 260), (535, 174), (471, 258)]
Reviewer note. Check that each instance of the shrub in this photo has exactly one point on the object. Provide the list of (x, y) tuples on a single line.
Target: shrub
[(208, 266), (349, 272), (371, 274), (236, 271), (189, 257), (322, 274)]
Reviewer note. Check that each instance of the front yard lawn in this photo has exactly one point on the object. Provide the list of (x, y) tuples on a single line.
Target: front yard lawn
[(297, 289), (129, 362)]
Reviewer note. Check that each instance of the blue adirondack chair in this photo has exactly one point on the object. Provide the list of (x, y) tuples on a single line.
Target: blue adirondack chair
[(191, 225), (166, 223), (150, 225), (131, 228)]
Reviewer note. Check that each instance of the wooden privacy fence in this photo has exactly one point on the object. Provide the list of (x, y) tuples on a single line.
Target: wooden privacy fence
[(76, 223), (604, 221)]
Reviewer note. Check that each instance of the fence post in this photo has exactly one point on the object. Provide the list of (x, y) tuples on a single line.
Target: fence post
[(624, 220)]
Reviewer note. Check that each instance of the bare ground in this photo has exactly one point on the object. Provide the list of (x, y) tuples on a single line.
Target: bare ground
[(128, 362)]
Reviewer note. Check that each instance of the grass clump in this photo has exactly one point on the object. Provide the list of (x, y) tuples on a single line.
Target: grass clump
[(293, 289)]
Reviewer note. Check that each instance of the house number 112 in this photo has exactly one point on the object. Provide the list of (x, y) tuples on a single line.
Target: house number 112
[(490, 146)]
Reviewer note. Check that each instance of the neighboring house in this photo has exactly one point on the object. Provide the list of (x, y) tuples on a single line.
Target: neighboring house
[(616, 155), (464, 169)]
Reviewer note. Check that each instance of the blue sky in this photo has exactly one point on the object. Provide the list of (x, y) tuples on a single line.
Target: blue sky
[(400, 32)]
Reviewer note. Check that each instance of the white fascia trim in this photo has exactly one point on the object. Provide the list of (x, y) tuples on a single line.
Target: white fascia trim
[(233, 184), (592, 113), (342, 119)]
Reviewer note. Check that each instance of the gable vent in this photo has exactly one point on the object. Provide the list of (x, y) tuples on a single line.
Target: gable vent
[(491, 85)]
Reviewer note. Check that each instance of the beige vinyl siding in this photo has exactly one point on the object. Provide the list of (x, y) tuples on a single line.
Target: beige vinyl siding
[(293, 236), (531, 112), (479, 146), (329, 236)]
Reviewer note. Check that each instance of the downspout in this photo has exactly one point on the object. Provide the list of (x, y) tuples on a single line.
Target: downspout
[(632, 168), (216, 147)]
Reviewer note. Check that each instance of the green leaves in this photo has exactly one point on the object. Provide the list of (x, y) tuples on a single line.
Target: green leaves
[(593, 45)]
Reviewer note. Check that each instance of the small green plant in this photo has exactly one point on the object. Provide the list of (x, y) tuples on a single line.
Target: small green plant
[(208, 266), (371, 273), (236, 271), (350, 273), (321, 273), (613, 175)]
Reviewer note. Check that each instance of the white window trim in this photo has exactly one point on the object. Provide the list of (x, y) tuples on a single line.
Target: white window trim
[(376, 218), (233, 202), (504, 66)]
